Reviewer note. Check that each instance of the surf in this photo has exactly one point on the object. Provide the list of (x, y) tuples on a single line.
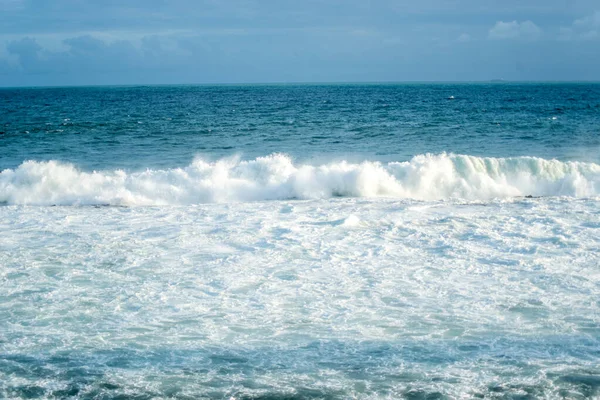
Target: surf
[(278, 177)]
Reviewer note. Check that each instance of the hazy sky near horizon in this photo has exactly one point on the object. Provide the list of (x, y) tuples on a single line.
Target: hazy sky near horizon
[(79, 42)]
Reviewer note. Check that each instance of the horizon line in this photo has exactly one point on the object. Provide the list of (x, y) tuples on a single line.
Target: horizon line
[(298, 83)]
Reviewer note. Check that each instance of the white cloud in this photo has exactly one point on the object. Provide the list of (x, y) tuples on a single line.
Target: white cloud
[(590, 35), (515, 30), (465, 37), (11, 5), (591, 21), (585, 28)]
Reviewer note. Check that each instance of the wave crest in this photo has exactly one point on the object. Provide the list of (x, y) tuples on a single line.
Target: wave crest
[(424, 177)]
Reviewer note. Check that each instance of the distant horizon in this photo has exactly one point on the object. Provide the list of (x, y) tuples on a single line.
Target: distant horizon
[(301, 83)]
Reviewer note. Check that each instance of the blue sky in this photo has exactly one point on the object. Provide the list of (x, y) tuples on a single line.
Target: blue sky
[(78, 42)]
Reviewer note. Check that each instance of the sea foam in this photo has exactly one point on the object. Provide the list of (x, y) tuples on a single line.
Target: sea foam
[(277, 177)]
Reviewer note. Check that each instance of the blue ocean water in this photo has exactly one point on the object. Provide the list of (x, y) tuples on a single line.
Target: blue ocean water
[(167, 126), (420, 241)]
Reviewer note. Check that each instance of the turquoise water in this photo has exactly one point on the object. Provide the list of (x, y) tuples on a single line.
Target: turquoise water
[(167, 126), (419, 241)]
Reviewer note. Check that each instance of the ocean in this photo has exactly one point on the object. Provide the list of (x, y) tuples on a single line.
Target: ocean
[(343, 241)]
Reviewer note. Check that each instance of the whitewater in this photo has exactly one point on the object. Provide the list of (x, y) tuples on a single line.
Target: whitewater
[(300, 242), (348, 298), (275, 177)]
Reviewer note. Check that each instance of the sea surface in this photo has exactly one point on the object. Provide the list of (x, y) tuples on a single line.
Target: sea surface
[(380, 241)]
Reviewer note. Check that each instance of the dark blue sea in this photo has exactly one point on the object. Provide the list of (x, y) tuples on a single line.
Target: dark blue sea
[(343, 241)]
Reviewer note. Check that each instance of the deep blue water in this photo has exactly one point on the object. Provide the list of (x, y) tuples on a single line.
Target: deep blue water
[(166, 126)]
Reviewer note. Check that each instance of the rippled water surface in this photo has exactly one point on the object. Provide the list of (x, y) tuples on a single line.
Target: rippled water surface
[(165, 127)]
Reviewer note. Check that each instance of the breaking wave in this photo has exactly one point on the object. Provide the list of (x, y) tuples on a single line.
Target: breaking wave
[(424, 177)]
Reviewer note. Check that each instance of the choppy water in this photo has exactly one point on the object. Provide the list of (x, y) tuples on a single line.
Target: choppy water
[(264, 242)]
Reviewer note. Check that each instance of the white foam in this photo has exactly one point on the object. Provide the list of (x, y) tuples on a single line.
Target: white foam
[(425, 177), (362, 299), (351, 221)]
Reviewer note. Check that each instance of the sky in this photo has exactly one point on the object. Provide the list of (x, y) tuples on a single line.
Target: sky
[(79, 42)]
